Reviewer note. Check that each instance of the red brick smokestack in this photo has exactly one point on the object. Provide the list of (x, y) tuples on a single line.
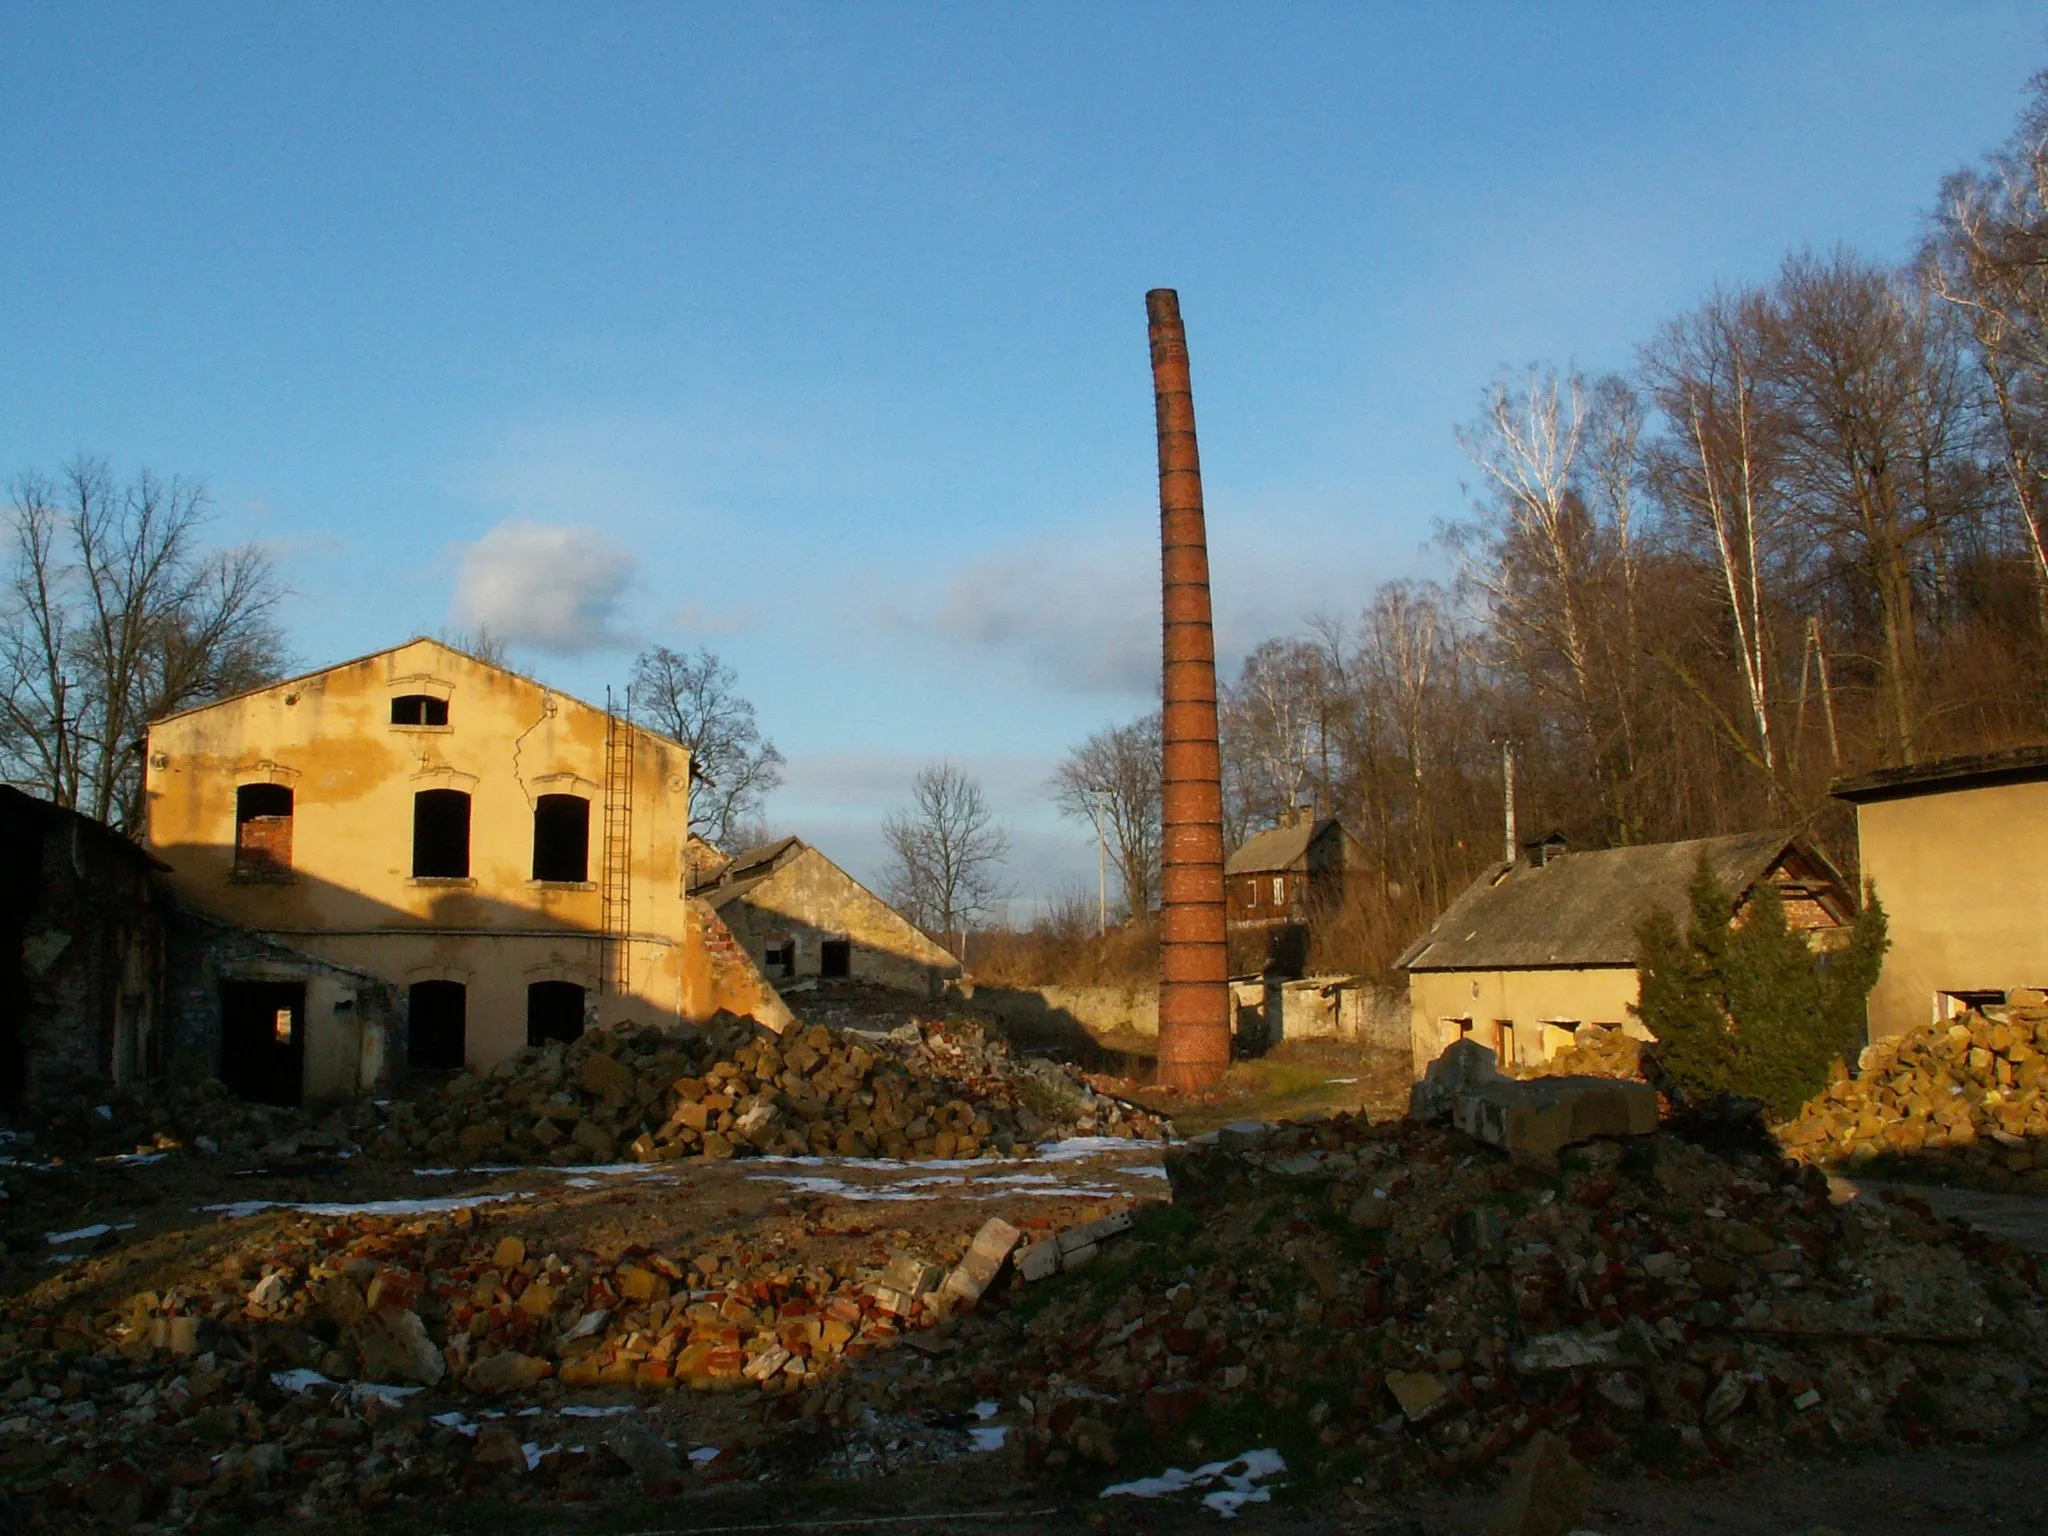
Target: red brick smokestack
[(1194, 976)]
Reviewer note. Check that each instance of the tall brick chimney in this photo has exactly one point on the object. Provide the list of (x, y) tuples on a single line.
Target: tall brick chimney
[(1194, 976)]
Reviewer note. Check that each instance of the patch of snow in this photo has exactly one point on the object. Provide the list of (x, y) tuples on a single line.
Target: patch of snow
[(455, 1421), (81, 1235), (593, 1411), (240, 1208), (1074, 1148), (1240, 1477), (134, 1159), (705, 1453)]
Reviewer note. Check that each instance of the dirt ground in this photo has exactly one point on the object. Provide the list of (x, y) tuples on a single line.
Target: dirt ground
[(909, 1458)]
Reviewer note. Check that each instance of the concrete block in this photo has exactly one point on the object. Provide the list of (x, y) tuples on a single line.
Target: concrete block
[(1539, 1118)]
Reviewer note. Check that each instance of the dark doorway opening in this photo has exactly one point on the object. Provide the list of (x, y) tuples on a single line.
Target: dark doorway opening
[(554, 1011), (436, 1011), (419, 709), (263, 831), (263, 1040), (440, 835), (561, 838), (835, 958), (779, 956)]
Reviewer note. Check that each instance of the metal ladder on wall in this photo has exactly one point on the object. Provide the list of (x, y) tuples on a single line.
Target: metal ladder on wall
[(616, 894)]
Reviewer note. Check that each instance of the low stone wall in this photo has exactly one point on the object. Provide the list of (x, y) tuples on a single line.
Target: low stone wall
[(1127, 1010), (1319, 1008)]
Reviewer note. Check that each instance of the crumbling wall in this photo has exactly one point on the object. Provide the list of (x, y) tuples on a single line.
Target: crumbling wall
[(83, 933), (355, 1021), (718, 974)]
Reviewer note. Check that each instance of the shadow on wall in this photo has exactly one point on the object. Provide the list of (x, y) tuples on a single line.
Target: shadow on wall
[(512, 967), (1061, 1022)]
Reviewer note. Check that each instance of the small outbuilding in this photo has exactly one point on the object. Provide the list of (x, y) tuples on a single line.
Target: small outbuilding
[(798, 914), (1958, 853), (1281, 882), (1533, 950)]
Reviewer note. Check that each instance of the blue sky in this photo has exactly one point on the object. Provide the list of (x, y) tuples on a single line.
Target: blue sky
[(816, 334)]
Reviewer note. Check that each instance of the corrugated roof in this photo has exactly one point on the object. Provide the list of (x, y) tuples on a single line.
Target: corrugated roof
[(1584, 908), (1280, 848)]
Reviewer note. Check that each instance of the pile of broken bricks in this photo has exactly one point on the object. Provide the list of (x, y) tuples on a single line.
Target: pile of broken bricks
[(1407, 1306), (315, 1331), (735, 1088), (1963, 1099)]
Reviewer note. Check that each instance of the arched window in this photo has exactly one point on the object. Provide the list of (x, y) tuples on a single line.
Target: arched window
[(561, 838), (440, 835), (554, 1011), (419, 709), (263, 831), (436, 1012)]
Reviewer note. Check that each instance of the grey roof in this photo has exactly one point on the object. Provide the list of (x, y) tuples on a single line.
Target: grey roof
[(1980, 770), (1280, 848), (1583, 909)]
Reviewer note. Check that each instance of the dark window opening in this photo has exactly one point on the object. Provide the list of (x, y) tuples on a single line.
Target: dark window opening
[(263, 830), (263, 1040), (561, 838), (554, 1011), (435, 1013), (419, 709), (780, 956), (440, 835), (835, 958)]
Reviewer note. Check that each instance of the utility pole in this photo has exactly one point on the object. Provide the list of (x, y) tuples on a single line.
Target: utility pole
[(1507, 797)]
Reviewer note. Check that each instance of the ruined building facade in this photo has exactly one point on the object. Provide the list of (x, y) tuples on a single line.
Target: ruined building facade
[(511, 860)]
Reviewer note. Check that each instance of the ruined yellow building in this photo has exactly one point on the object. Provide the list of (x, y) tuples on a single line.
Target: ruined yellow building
[(511, 859)]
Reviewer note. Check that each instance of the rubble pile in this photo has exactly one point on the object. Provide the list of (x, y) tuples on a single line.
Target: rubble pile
[(734, 1088), (1966, 1099), (1594, 1052), (1397, 1303), (152, 1118), (316, 1364)]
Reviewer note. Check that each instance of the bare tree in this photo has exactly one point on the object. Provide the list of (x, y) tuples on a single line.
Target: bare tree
[(1111, 781), (946, 852), (115, 615), (696, 700), (1989, 260), (1720, 474), (482, 644)]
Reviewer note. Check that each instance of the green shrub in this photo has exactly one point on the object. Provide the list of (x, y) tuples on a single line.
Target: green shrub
[(1748, 1009)]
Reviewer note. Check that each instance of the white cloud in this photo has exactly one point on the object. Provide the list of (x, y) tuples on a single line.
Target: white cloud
[(552, 588), (1088, 625)]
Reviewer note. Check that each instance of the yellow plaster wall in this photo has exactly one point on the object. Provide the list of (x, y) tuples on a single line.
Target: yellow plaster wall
[(352, 897), (1963, 876), (1532, 999), (810, 899)]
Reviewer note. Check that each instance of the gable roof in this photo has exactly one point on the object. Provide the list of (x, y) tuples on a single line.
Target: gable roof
[(1284, 847), (478, 661), (1583, 909)]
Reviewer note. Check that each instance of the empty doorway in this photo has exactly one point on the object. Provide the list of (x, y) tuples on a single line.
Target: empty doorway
[(436, 1014), (835, 957), (263, 1040), (554, 1011)]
